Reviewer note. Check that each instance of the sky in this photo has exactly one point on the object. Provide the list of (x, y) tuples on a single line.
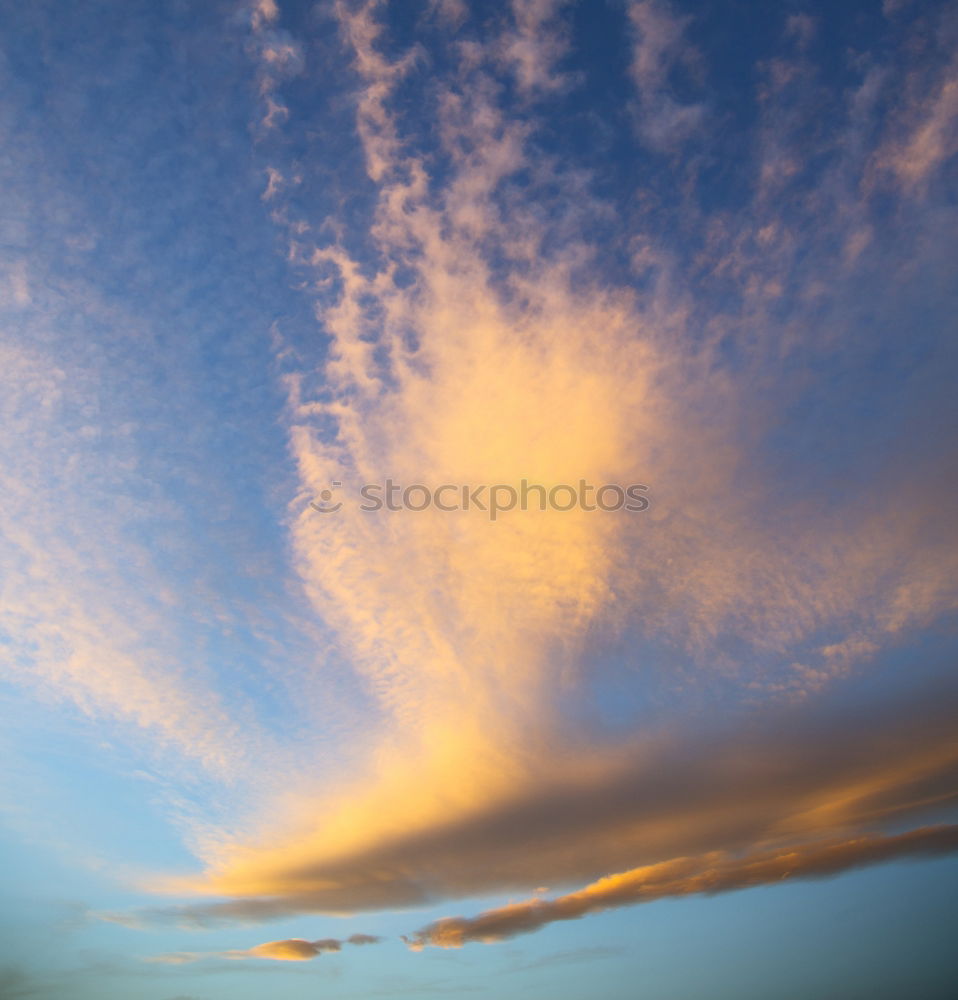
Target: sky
[(642, 316)]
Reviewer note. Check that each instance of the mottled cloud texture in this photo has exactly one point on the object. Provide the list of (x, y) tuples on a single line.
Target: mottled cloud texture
[(744, 302)]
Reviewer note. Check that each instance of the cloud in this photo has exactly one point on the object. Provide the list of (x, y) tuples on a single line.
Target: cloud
[(361, 939), (919, 135), (682, 877), (16, 286), (450, 12), (286, 950), (930, 142), (483, 325), (263, 12), (794, 776), (892, 7), (79, 632), (294, 949), (275, 181), (361, 30), (802, 27), (535, 44), (659, 47), (277, 57), (475, 335), (275, 113)]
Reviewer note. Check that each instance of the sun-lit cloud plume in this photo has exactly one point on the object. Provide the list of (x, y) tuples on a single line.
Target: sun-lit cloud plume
[(445, 242), (682, 877), (475, 338), (487, 316), (794, 776)]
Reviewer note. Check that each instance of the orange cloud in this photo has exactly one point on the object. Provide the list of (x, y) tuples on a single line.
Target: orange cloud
[(286, 950), (294, 949), (798, 775)]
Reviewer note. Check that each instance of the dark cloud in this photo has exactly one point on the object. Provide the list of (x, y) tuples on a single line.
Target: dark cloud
[(686, 876), (363, 939)]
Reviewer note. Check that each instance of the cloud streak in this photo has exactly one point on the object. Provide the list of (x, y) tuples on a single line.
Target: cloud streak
[(285, 950), (683, 877)]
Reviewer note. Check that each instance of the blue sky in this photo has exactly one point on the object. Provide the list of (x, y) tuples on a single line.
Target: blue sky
[(251, 250)]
